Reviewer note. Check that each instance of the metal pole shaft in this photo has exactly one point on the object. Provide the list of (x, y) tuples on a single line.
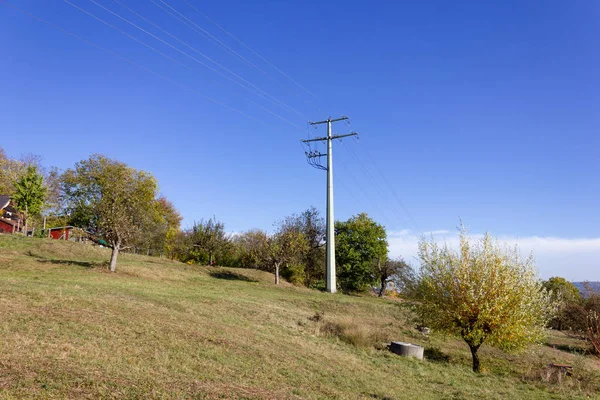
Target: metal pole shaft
[(331, 284)]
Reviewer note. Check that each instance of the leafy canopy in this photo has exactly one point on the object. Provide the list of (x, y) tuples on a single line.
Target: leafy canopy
[(206, 239), (311, 265), (30, 192), (11, 170), (285, 247), (482, 293), (561, 289), (360, 244), (110, 199)]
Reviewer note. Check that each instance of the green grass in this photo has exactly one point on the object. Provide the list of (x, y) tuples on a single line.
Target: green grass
[(162, 329)]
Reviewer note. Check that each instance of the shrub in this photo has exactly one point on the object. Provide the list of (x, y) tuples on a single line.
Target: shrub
[(294, 273)]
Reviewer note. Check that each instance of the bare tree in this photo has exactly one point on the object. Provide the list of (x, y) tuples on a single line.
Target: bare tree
[(386, 270)]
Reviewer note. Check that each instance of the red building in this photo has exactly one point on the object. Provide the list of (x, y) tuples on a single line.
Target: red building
[(61, 232), (10, 221), (7, 226)]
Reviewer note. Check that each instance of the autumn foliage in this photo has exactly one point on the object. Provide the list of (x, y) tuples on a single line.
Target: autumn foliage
[(484, 293)]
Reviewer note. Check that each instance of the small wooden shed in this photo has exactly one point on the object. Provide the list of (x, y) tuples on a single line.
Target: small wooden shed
[(61, 232)]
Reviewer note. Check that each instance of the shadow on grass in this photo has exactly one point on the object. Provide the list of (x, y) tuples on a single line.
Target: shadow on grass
[(573, 349), (231, 276), (85, 264)]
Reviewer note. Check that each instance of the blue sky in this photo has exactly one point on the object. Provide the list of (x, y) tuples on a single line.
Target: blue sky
[(488, 112)]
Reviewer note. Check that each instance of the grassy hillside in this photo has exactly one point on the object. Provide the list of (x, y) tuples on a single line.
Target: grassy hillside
[(162, 329)]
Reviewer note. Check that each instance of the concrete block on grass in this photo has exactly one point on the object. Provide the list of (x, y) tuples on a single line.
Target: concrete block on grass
[(407, 350)]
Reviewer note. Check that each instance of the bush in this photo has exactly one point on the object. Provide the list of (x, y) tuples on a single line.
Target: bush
[(352, 332), (294, 274), (318, 285), (349, 330)]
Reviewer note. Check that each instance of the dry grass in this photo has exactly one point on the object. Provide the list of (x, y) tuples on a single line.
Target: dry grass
[(161, 329)]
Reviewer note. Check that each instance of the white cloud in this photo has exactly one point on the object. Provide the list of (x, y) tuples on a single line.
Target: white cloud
[(576, 259)]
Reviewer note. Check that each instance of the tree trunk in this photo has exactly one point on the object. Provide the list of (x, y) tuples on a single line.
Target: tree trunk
[(25, 218), (383, 285), (383, 279), (277, 273), (475, 356), (113, 256)]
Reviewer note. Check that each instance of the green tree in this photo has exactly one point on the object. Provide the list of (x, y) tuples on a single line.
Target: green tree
[(312, 225), (482, 293), (11, 170), (254, 246), (567, 298), (285, 248), (360, 243), (206, 239), (160, 235), (560, 288), (29, 194), (110, 199)]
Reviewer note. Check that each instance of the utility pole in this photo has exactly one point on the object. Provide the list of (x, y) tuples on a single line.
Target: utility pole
[(313, 158)]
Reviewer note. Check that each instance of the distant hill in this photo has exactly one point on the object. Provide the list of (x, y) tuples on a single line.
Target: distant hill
[(580, 285)]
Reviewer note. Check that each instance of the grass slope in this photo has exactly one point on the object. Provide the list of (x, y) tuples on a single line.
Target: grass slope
[(162, 329)]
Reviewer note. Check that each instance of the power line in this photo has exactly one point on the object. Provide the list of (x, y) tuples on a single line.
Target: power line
[(370, 177), (212, 69), (274, 99), (189, 56), (128, 35), (137, 65), (252, 50), (393, 191), (212, 37), (350, 192), (168, 57), (361, 187)]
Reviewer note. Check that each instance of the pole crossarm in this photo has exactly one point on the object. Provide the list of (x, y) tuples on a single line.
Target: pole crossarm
[(322, 139), (346, 135), (343, 118)]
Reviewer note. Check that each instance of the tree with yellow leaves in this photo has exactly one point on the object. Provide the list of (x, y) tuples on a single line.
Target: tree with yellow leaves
[(483, 293)]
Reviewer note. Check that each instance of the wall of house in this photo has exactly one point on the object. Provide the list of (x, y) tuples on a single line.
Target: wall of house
[(5, 227)]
